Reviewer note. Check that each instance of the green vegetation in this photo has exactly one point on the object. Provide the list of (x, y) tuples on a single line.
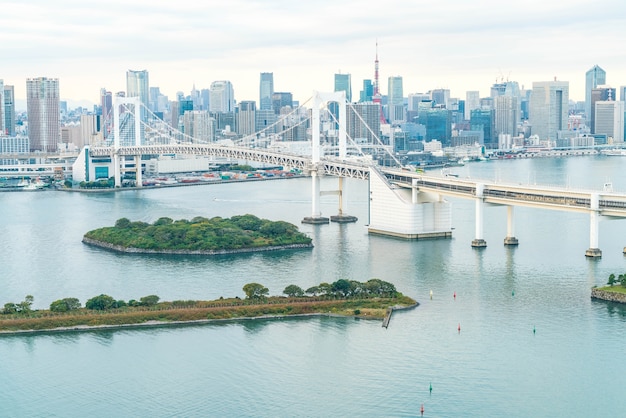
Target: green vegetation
[(200, 234), (621, 280), (369, 300)]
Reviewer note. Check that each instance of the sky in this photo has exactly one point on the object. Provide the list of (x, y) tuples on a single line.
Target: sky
[(459, 45)]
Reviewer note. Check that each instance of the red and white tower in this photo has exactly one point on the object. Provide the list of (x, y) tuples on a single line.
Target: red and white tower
[(377, 98)]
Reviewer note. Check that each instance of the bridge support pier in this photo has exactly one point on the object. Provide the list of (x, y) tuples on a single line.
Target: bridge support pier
[(594, 220), (510, 228), (316, 217), (479, 241), (341, 217), (138, 178)]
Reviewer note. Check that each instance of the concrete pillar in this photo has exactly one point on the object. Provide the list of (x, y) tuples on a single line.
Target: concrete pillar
[(479, 242), (510, 228), (138, 178), (594, 221)]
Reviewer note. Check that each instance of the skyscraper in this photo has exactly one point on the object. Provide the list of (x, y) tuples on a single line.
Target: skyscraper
[(549, 108), (3, 128), (594, 77), (9, 110), (280, 100), (138, 85), (343, 83), (368, 91), (507, 115), (395, 99), (472, 101), (609, 119), (246, 117), (42, 104), (266, 90), (222, 97), (600, 93), (363, 121)]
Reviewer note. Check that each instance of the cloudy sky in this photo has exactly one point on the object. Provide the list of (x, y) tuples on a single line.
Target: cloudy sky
[(456, 44)]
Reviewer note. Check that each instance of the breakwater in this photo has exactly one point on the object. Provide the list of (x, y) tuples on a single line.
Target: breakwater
[(597, 293)]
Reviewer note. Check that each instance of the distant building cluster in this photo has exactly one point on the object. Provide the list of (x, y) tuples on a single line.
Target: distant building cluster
[(509, 116)]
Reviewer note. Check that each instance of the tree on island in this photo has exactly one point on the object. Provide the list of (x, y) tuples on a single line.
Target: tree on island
[(293, 291), (100, 303), (65, 305), (255, 291)]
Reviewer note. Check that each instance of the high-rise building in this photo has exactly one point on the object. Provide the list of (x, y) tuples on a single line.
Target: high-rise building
[(507, 115), (343, 83), (441, 97), (472, 101), (222, 97), (363, 121), (246, 117), (2, 111), (438, 123), (198, 124), (280, 100), (42, 104), (594, 77), (368, 91), (9, 110), (395, 99), (609, 119), (266, 90), (549, 108), (138, 85), (600, 93), (484, 119), (106, 105)]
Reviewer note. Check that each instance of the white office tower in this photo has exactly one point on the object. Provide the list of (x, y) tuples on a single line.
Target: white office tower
[(246, 117), (609, 120), (42, 104), (549, 108), (222, 97), (137, 85), (199, 125), (507, 115), (472, 102)]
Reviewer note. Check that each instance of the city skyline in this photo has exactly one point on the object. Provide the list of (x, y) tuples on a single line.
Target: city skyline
[(457, 45)]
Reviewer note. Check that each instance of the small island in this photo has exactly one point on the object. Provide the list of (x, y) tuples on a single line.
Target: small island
[(244, 233), (612, 292), (374, 299)]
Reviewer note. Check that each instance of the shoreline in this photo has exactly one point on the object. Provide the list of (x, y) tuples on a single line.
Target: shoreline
[(164, 323), (132, 250), (607, 295)]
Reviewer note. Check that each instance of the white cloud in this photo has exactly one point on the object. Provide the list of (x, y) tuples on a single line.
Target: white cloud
[(455, 44)]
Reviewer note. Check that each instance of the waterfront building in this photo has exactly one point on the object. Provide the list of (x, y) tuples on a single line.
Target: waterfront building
[(483, 119), (3, 129), (343, 82), (43, 108), (507, 115), (609, 120), (438, 123), (594, 77), (472, 101), (600, 93), (222, 97), (395, 100), (549, 108), (246, 117), (266, 90), (367, 93)]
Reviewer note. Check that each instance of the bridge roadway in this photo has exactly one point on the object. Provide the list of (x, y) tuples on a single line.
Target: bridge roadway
[(610, 203)]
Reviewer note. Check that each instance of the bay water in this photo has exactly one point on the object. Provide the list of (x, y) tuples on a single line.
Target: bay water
[(531, 340)]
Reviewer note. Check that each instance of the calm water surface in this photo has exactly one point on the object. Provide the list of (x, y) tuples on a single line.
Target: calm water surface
[(318, 367)]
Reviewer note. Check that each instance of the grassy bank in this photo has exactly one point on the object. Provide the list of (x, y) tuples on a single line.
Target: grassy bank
[(187, 311), (614, 289)]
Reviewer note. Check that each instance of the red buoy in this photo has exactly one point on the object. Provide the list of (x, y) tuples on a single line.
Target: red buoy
[(422, 409), (454, 295), (459, 328)]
